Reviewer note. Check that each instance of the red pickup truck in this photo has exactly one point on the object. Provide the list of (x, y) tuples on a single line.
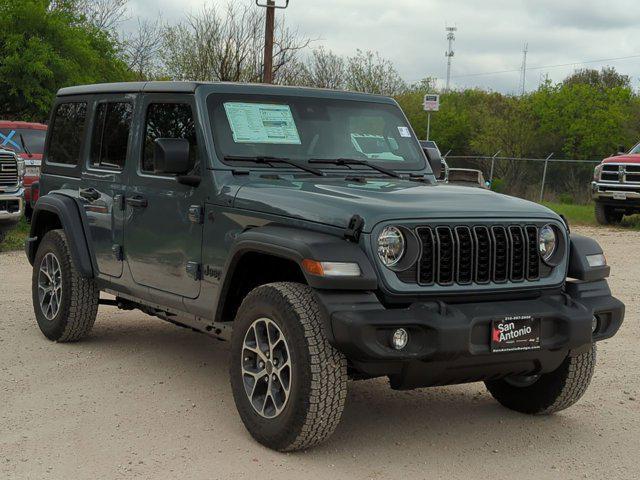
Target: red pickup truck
[(616, 186), (27, 140)]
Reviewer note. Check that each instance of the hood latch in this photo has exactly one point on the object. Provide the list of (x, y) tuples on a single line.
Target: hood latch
[(354, 229)]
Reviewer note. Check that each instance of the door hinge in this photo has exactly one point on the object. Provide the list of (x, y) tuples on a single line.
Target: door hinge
[(118, 252), (196, 214), (194, 270), (118, 201)]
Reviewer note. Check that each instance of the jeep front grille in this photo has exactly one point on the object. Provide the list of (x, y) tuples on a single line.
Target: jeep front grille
[(8, 171), (479, 254)]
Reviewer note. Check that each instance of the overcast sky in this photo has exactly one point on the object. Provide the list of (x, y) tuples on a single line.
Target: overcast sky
[(490, 37)]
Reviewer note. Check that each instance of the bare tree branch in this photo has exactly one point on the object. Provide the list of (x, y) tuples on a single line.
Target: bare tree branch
[(142, 49), (103, 14), (229, 47), (369, 72)]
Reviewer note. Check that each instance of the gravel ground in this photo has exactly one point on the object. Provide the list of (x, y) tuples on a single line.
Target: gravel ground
[(142, 398)]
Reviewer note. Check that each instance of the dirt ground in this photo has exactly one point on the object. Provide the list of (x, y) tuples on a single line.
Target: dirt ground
[(142, 398)]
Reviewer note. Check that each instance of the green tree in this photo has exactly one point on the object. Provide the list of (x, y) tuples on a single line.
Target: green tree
[(46, 45)]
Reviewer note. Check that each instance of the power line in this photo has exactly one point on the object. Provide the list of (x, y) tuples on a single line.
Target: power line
[(542, 67)]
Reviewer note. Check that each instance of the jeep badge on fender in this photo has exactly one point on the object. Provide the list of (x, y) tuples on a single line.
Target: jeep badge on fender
[(307, 227)]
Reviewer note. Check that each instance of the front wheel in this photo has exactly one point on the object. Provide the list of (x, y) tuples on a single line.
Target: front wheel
[(289, 384), (607, 215), (550, 392)]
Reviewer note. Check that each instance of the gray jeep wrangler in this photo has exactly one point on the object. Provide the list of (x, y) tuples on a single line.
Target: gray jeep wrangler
[(307, 227)]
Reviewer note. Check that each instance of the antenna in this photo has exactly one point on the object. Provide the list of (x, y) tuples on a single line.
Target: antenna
[(523, 69), (451, 36)]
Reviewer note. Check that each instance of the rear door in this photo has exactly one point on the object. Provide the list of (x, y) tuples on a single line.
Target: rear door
[(162, 240), (103, 181)]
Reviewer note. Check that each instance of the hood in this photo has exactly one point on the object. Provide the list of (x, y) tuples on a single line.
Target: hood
[(626, 158), (333, 201)]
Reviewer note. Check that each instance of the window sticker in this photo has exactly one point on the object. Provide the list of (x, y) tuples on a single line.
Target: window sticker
[(262, 123), (404, 132)]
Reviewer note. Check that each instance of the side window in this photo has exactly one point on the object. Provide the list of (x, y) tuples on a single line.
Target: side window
[(67, 132), (169, 120), (110, 136)]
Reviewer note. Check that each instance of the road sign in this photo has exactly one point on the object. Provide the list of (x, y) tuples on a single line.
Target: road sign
[(431, 102)]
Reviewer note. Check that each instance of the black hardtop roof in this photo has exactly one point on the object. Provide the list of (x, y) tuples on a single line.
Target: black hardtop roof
[(221, 87)]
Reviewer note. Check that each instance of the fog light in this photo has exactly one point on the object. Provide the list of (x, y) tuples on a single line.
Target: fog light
[(400, 339), (594, 324)]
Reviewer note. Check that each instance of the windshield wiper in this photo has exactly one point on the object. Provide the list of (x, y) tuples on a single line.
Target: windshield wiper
[(354, 161), (268, 160)]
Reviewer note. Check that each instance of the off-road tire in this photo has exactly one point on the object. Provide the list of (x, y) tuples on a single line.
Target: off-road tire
[(553, 391), (606, 215), (319, 372), (79, 297)]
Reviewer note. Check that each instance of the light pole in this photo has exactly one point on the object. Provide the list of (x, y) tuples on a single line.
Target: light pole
[(270, 22)]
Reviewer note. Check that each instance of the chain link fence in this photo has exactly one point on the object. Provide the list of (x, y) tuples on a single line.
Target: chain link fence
[(537, 179)]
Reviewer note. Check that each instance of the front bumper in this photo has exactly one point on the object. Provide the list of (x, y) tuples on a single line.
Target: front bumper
[(615, 193), (450, 343), (11, 206)]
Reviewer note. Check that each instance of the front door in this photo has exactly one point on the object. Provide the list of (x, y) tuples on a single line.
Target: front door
[(103, 185), (162, 240)]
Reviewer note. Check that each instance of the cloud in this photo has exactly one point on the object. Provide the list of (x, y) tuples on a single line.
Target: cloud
[(490, 36)]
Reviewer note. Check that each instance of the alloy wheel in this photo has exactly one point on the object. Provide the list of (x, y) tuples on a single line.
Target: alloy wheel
[(266, 368), (50, 286)]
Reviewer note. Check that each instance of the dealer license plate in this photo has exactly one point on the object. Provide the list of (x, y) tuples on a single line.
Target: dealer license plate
[(517, 333), (619, 196)]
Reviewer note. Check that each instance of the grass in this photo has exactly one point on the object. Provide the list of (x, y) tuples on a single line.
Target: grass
[(584, 215), (16, 237)]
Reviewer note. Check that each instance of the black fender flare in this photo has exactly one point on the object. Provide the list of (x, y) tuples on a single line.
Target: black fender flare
[(579, 248), (66, 209), (298, 244)]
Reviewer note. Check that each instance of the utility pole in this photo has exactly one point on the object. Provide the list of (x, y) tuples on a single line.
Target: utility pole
[(270, 22), (451, 36), (523, 69)]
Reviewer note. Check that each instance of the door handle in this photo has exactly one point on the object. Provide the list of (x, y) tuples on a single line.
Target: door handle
[(89, 193), (137, 201)]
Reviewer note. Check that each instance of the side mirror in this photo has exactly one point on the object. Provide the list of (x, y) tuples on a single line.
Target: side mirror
[(435, 160), (171, 156), (621, 150)]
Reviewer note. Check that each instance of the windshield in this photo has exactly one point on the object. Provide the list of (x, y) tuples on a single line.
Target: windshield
[(304, 128), (11, 139), (635, 149)]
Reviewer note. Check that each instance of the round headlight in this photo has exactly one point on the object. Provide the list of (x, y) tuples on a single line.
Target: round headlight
[(391, 246), (547, 242)]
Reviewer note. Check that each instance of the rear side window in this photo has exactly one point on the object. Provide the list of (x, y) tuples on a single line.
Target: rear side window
[(110, 136), (67, 131), (169, 120)]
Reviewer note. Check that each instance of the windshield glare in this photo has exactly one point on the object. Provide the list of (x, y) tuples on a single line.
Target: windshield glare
[(635, 149), (11, 139), (303, 128)]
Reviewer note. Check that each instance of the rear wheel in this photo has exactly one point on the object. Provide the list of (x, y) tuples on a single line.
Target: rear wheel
[(607, 215), (549, 392), (65, 302), (289, 384)]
